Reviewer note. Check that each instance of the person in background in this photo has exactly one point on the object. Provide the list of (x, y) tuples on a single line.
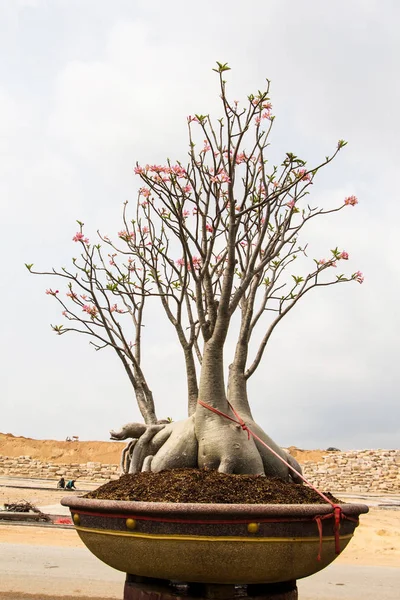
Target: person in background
[(70, 485), (61, 483)]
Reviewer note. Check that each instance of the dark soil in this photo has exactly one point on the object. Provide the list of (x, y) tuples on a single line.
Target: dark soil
[(206, 486)]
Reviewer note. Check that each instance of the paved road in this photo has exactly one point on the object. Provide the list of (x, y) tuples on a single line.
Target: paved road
[(49, 572), (348, 582), (55, 571)]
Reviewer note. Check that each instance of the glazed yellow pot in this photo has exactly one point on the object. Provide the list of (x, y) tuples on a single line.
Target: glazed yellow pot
[(213, 543)]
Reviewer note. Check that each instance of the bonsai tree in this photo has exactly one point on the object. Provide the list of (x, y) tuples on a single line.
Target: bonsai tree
[(218, 242)]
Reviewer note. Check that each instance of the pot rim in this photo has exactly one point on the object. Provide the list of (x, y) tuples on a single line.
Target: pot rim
[(190, 510)]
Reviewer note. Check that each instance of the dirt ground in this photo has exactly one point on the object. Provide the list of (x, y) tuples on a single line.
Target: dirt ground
[(61, 452)]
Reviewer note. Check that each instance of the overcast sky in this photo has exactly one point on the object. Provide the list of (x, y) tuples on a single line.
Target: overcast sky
[(89, 87)]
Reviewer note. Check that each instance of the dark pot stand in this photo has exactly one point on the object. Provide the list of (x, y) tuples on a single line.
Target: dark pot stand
[(146, 588)]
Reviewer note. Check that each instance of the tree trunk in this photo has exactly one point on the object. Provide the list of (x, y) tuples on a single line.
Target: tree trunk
[(223, 445), (272, 465), (193, 391)]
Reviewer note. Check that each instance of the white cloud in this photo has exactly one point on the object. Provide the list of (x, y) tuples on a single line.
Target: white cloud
[(89, 88)]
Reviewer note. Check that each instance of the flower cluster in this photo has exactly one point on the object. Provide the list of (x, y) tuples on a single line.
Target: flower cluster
[(114, 308), (52, 292), (221, 177), (303, 175), (350, 201), (127, 236), (264, 115), (358, 276), (90, 309), (161, 170), (196, 262), (79, 237)]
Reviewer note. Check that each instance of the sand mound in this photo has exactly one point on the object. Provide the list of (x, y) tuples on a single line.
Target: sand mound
[(303, 455), (61, 452), (83, 452)]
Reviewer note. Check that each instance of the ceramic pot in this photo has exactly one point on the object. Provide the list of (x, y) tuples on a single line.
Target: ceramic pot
[(213, 543)]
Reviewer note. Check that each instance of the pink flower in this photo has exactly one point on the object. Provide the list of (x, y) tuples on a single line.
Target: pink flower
[(90, 309), (303, 175), (52, 292), (145, 230), (190, 119), (79, 237), (358, 276), (322, 261), (258, 119), (196, 262), (290, 204), (138, 170), (187, 189), (240, 158), (178, 170), (221, 177), (72, 295), (186, 214), (206, 147), (351, 200), (267, 105), (180, 262), (64, 313), (126, 235), (344, 255), (144, 192), (209, 228), (114, 308)]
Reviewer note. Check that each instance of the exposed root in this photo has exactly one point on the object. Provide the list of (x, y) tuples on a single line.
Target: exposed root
[(147, 463), (203, 441), (180, 449), (126, 456), (144, 446)]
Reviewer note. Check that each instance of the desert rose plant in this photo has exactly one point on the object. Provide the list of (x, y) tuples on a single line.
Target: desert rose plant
[(219, 242)]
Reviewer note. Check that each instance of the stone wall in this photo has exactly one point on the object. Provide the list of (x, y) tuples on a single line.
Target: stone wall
[(25, 466), (354, 471)]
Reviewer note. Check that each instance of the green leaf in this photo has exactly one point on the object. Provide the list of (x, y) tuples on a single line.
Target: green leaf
[(29, 267), (222, 67), (298, 279)]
